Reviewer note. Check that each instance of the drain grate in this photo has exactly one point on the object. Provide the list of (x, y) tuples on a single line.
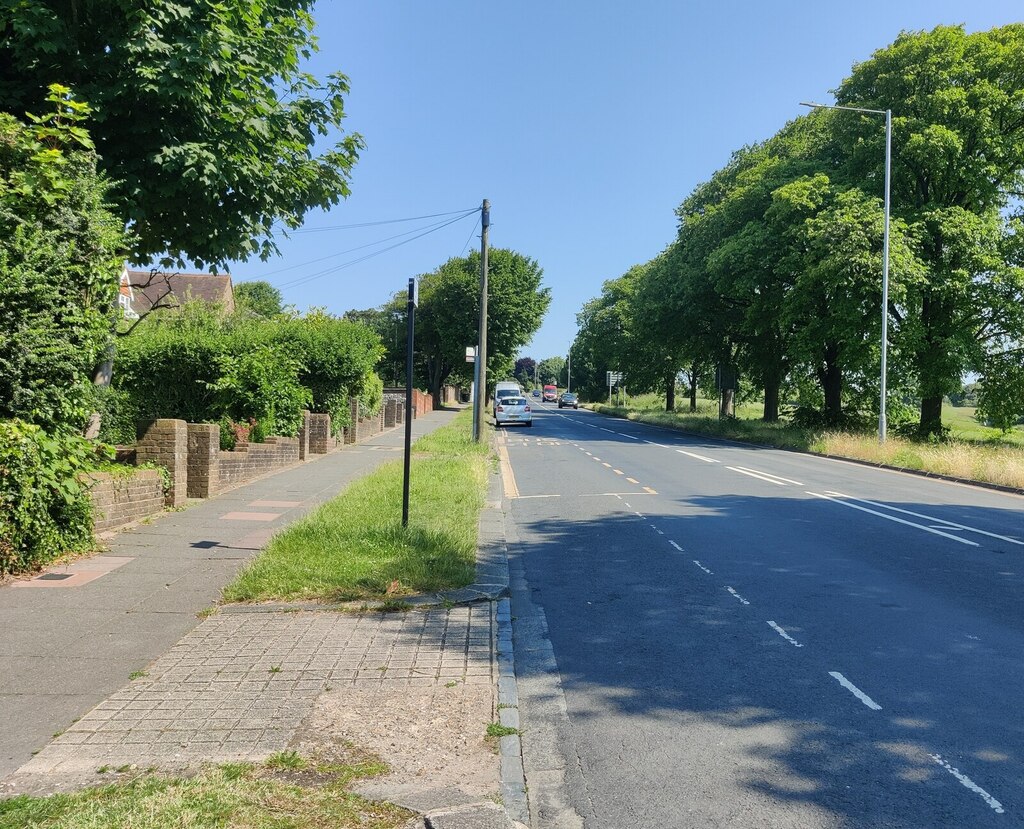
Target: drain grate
[(54, 576)]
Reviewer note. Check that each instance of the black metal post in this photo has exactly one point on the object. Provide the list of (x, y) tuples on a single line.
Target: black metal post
[(410, 333)]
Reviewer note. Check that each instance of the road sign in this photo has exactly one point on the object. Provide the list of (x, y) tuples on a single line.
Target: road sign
[(613, 378), (470, 353)]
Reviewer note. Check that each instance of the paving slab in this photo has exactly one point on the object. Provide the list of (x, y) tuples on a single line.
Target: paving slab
[(131, 615)]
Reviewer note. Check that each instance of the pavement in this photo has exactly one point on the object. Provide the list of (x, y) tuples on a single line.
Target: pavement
[(117, 662)]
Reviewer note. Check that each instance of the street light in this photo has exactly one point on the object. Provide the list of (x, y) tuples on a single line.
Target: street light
[(885, 247)]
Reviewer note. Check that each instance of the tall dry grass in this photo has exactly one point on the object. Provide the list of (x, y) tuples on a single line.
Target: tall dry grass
[(1002, 465)]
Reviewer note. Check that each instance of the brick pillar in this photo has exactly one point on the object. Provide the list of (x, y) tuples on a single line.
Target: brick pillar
[(399, 412), (165, 442), (352, 432), (203, 459), (304, 436), (319, 434), (390, 414)]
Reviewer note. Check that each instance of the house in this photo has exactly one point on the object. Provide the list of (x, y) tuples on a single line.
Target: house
[(143, 291)]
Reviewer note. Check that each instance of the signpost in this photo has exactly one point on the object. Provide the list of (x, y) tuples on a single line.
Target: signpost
[(410, 334), (614, 379), (471, 358)]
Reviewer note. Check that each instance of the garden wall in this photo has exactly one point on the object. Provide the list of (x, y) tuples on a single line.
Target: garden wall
[(122, 497)]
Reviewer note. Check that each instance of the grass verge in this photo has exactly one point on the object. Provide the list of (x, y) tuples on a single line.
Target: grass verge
[(232, 794), (1000, 464), (354, 547)]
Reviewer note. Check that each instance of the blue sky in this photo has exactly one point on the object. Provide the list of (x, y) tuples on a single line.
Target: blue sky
[(584, 123)]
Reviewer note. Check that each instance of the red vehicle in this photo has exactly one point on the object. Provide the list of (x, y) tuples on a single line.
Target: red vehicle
[(550, 394)]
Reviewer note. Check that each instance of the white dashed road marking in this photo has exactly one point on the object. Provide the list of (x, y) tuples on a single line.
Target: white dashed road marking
[(698, 457), (702, 567), (676, 546), (853, 689), (966, 781), (737, 595), (774, 626)]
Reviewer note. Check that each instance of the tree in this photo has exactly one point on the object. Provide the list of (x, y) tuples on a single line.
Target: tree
[(958, 155), (525, 371), (60, 259), (203, 117), (448, 314), (260, 298), (549, 370)]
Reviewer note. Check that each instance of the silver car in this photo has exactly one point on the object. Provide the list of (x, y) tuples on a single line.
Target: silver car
[(512, 410)]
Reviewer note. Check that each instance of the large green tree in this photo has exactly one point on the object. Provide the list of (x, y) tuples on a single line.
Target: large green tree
[(204, 118), (958, 159), (449, 311)]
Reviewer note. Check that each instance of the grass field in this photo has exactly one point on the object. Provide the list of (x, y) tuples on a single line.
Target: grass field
[(285, 792), (973, 452), (354, 547)]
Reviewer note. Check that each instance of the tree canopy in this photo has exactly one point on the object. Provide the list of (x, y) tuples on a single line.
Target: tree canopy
[(203, 116)]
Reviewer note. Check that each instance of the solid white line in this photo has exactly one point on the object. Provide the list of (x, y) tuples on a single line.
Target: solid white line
[(966, 781), (737, 595), (524, 497), (676, 546), (943, 521), (835, 500), (755, 475), (702, 567), (784, 635), (769, 474), (698, 457), (659, 445), (631, 437), (853, 689)]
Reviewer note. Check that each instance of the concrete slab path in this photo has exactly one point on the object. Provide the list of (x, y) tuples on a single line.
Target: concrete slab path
[(73, 636)]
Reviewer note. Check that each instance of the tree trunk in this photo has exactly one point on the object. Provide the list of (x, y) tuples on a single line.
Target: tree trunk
[(670, 393), (832, 385), (693, 387), (728, 405), (931, 416), (771, 402)]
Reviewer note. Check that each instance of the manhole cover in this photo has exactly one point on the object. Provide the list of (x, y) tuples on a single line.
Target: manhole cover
[(54, 576)]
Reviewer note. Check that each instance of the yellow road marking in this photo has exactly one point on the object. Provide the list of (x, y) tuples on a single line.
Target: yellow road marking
[(617, 471), (632, 480), (650, 491), (508, 478)]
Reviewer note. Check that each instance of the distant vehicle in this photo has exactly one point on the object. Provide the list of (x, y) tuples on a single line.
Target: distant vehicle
[(536, 392), (512, 410), (568, 399), (550, 394), (506, 388)]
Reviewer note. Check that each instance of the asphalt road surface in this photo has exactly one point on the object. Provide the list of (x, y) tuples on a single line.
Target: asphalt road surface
[(711, 635)]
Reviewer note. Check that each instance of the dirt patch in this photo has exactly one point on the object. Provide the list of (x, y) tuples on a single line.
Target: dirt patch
[(432, 739)]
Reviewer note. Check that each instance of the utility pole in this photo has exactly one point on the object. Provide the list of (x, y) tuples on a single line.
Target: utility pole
[(481, 352), (568, 376)]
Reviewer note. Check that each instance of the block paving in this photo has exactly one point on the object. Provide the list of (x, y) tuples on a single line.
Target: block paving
[(240, 684)]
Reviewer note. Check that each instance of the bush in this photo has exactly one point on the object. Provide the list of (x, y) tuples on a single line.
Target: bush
[(45, 510)]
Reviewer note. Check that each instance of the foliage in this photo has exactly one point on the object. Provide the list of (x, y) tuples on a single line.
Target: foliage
[(260, 298), (196, 365), (551, 370), (525, 371), (45, 509), (448, 316), (261, 383), (60, 259), (205, 119)]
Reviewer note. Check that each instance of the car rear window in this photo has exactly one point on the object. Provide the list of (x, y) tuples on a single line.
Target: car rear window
[(514, 401)]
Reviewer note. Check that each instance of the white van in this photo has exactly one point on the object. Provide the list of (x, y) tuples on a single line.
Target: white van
[(506, 388)]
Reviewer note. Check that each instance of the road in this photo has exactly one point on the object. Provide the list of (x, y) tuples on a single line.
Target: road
[(710, 635)]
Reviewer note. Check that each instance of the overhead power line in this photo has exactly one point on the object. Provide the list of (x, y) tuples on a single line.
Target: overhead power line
[(357, 247), (310, 277), (374, 224)]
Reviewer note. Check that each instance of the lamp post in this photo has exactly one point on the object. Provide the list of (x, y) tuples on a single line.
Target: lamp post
[(885, 247)]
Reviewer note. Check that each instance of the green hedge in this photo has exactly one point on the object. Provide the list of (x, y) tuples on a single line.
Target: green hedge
[(45, 511)]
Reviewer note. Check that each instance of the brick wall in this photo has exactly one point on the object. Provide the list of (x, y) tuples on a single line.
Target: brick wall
[(119, 499), (320, 439), (165, 442), (203, 459), (251, 460), (422, 403)]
